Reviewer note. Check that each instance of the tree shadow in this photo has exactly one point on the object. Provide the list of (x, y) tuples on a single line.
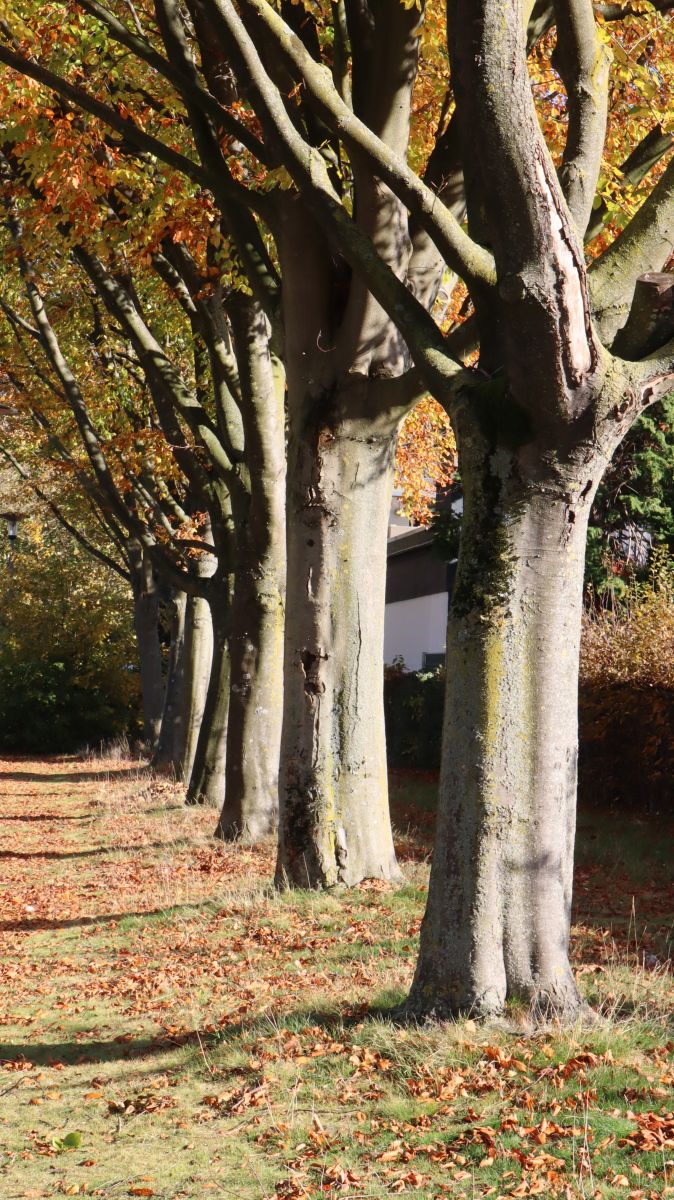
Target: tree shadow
[(75, 1053), (104, 773), (48, 924), (333, 1021), (57, 855), (58, 817)]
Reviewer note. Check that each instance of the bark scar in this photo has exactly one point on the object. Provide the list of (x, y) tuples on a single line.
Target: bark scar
[(311, 665)]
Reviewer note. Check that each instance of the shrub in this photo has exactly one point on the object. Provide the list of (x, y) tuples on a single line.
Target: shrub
[(413, 704), (67, 654), (626, 706), (627, 696)]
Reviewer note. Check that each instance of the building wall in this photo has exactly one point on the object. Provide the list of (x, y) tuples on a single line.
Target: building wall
[(415, 627)]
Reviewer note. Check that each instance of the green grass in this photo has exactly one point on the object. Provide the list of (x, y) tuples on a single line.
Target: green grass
[(205, 1037)]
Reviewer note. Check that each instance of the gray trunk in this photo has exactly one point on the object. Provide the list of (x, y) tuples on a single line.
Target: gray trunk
[(250, 810), (198, 658), (497, 922), (207, 781), (146, 626), (170, 748), (334, 818)]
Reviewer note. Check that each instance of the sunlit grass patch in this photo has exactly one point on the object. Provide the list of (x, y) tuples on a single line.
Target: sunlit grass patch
[(204, 1035)]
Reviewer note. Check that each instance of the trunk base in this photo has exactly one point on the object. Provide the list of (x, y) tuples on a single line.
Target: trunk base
[(558, 1002), (252, 833)]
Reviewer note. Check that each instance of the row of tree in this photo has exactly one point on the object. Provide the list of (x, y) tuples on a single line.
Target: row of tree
[(233, 237)]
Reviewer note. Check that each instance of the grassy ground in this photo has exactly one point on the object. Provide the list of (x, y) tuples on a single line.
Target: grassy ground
[(170, 1028)]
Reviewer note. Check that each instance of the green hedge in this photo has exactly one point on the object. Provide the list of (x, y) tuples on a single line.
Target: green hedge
[(413, 704), (626, 753), (45, 708)]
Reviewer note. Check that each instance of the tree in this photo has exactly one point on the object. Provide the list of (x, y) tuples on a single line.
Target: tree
[(335, 822), (220, 406), (362, 244), (536, 424)]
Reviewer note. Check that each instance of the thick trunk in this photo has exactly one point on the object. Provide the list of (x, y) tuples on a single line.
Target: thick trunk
[(207, 781), (198, 659), (497, 922), (334, 819), (170, 748), (250, 810)]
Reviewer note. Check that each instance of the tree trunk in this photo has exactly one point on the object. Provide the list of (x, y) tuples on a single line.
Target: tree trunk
[(170, 747), (334, 820), (207, 781), (250, 810), (146, 626), (198, 660), (497, 921)]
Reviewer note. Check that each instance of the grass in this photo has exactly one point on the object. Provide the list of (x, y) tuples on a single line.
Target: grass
[(203, 1037)]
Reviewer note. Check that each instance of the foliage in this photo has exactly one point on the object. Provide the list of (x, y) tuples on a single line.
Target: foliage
[(425, 459), (67, 655), (413, 704), (636, 496), (627, 695)]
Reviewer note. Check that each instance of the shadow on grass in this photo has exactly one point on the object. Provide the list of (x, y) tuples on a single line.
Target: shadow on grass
[(73, 1053), (333, 1021), (66, 854), (158, 915), (104, 774), (57, 817)]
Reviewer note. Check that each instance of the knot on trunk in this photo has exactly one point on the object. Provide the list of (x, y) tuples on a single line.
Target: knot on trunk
[(311, 665)]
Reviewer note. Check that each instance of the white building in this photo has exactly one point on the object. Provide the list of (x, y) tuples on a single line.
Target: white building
[(418, 585)]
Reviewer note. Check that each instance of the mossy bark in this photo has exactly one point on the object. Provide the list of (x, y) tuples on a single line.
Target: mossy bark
[(497, 922), (250, 810), (334, 816), (255, 631)]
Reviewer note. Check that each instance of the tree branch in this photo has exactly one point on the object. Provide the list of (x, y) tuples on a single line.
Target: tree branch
[(63, 520), (309, 171), (460, 252), (583, 61), (645, 244)]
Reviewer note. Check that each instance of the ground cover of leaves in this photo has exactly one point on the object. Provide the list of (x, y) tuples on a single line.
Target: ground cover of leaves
[(169, 1027)]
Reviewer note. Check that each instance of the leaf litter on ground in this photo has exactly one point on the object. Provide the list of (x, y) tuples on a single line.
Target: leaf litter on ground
[(164, 1012)]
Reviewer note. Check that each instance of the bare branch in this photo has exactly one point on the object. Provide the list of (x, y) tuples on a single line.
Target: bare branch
[(645, 244), (460, 252), (308, 168), (583, 60)]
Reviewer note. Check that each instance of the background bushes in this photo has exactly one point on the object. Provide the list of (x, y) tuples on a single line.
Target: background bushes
[(626, 701), (68, 673)]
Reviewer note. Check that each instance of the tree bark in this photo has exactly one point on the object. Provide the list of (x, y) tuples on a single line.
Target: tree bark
[(334, 818), (146, 626), (207, 780), (250, 810), (171, 743), (198, 659), (497, 923)]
